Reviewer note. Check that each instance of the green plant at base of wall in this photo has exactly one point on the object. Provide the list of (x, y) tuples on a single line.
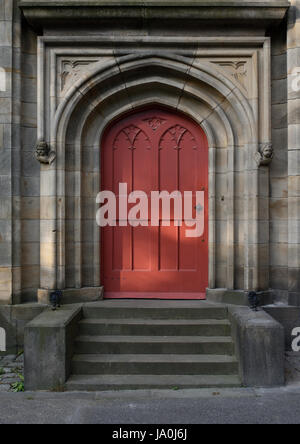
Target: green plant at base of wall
[(19, 385)]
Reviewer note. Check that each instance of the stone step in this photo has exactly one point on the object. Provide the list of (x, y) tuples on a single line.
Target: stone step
[(153, 327), (154, 364), (154, 345), (149, 309), (90, 383)]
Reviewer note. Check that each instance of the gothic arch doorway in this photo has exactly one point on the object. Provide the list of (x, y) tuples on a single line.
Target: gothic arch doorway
[(155, 149)]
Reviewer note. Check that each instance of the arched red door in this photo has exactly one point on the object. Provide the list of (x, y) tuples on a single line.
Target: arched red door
[(155, 150)]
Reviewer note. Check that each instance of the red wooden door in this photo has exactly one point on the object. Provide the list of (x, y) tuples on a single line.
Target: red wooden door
[(155, 150)]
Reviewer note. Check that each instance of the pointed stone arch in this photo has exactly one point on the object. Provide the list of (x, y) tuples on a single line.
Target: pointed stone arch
[(197, 89)]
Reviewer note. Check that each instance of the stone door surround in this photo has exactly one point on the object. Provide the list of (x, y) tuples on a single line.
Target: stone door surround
[(223, 83)]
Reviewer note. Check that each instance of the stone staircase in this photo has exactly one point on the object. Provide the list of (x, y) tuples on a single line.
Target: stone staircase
[(153, 345)]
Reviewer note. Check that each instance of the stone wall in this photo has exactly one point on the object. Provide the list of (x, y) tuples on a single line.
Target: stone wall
[(10, 158), (279, 169), (253, 218), (19, 173), (30, 200), (14, 318), (293, 121)]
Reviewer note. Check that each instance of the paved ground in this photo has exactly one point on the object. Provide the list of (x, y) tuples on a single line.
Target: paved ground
[(292, 368), (236, 406)]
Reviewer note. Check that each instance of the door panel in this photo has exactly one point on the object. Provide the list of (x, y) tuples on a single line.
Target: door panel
[(154, 150)]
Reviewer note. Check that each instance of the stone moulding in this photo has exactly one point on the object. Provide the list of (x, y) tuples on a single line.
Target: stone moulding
[(184, 76), (73, 296), (40, 12)]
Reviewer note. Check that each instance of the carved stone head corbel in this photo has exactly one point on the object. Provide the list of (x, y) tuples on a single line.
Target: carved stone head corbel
[(265, 155), (43, 153)]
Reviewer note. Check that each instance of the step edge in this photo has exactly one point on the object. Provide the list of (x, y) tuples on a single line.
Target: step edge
[(160, 339), (81, 377), (106, 358), (139, 321)]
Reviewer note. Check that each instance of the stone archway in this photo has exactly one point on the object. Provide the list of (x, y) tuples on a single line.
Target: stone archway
[(107, 90)]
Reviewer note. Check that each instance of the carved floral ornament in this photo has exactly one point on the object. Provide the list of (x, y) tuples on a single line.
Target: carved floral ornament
[(236, 69), (72, 70), (43, 153)]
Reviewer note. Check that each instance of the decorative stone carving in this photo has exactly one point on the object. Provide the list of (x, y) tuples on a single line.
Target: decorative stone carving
[(71, 71), (265, 154), (43, 153), (236, 69), (155, 122)]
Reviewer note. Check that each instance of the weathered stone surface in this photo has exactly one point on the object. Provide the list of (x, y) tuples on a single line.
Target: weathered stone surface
[(41, 12), (49, 341), (9, 152), (13, 319), (279, 277), (73, 296), (259, 343), (288, 317), (293, 39), (236, 297)]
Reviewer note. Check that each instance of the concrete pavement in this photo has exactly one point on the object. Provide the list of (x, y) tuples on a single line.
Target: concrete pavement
[(206, 406)]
